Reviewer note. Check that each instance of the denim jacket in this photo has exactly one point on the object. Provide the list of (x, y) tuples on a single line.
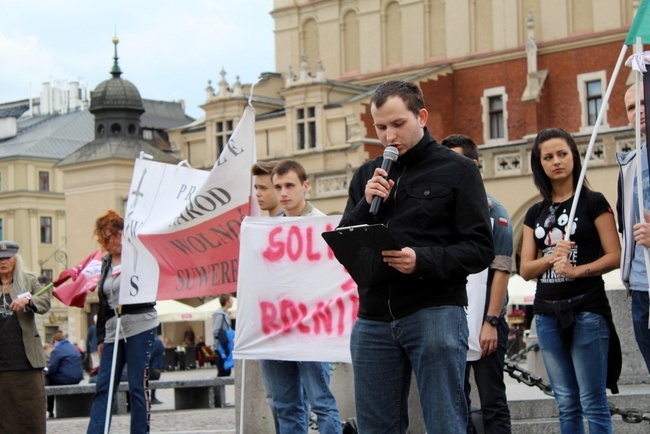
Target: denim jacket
[(503, 244)]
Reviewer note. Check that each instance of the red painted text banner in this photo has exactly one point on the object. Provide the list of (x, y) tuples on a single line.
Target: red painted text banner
[(295, 301)]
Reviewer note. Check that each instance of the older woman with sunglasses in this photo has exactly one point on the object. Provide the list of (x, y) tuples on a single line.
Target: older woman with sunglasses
[(136, 334), (576, 334)]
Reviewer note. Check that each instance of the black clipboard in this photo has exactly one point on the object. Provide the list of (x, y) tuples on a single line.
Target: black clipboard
[(359, 249)]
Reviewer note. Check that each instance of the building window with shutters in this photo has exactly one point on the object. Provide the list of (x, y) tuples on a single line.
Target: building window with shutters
[(46, 230), (43, 180), (306, 128), (594, 100), (495, 115), (591, 88), (495, 104), (223, 133)]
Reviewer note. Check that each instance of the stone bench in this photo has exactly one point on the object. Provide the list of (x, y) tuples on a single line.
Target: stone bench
[(196, 393), (75, 400)]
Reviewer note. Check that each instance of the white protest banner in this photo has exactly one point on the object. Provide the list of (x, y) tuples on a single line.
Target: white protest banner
[(476, 295), (476, 306), (182, 225), (295, 300)]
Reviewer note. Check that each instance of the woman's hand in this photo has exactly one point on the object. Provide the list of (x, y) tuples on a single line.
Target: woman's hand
[(560, 261), (19, 304), (562, 248), (100, 348), (563, 267)]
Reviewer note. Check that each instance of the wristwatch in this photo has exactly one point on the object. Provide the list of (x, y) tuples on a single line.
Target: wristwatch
[(492, 320)]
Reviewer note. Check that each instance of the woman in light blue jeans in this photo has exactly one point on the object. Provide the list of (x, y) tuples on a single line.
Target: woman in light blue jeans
[(134, 344), (579, 344)]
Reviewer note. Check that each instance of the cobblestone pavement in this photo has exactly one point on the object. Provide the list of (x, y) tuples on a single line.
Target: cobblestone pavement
[(212, 421), (163, 417)]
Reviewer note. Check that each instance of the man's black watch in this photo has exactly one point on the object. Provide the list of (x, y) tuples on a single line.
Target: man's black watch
[(492, 320)]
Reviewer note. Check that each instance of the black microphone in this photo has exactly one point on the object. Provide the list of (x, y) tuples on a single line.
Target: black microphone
[(390, 156)]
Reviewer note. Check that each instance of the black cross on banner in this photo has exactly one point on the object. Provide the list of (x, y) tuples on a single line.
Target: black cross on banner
[(137, 193)]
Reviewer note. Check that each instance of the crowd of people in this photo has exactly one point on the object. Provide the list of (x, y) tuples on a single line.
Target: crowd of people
[(413, 322)]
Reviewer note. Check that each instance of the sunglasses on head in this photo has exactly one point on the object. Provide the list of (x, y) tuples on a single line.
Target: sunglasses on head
[(550, 220)]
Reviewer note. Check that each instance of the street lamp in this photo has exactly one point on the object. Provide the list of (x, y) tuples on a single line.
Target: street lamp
[(59, 256)]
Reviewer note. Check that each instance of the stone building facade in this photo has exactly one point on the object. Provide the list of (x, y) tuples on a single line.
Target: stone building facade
[(498, 71)]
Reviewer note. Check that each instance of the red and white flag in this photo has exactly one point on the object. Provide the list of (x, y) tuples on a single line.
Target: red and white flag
[(84, 278), (182, 225)]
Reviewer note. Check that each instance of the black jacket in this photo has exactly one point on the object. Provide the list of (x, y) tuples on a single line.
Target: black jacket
[(438, 207)]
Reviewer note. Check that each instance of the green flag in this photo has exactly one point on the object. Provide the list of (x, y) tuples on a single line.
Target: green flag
[(640, 26)]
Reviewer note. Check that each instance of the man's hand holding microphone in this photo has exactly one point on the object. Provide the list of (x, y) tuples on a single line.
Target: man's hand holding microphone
[(377, 190), (379, 186)]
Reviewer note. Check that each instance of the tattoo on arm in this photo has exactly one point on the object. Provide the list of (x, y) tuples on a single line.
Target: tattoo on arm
[(589, 273)]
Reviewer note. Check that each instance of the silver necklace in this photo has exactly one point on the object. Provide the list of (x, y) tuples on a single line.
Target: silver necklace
[(6, 312)]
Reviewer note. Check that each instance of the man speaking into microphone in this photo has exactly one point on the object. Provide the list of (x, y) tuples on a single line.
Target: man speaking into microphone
[(390, 156), (433, 203)]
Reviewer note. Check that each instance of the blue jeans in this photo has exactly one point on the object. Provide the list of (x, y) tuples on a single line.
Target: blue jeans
[(432, 343), (578, 372), (135, 352), (266, 376), (287, 380), (488, 375), (266, 366), (640, 324)]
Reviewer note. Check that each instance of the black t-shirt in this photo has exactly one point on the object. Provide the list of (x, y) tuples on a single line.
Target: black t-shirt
[(551, 286)]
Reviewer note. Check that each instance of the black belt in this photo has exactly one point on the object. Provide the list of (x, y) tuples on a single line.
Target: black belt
[(132, 309)]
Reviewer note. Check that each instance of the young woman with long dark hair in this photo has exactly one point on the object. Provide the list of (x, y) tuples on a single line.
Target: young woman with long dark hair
[(576, 334)]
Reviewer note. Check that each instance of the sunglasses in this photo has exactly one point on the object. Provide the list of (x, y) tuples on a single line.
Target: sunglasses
[(551, 220)]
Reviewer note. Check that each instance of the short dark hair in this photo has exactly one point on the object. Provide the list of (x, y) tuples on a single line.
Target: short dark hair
[(541, 179), (224, 298), (262, 168), (58, 337), (409, 93), (467, 145), (285, 166)]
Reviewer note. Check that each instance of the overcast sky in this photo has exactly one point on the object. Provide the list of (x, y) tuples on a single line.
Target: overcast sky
[(169, 49)]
